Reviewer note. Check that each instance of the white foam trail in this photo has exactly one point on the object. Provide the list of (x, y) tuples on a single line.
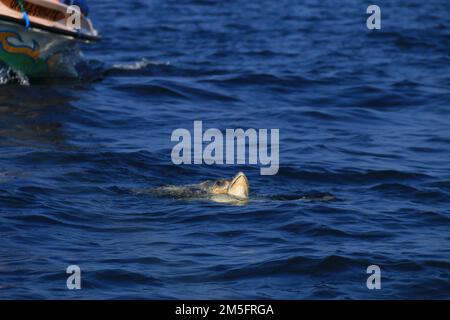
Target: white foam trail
[(138, 65), (8, 75)]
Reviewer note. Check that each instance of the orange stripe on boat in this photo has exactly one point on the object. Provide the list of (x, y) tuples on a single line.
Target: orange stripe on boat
[(30, 52)]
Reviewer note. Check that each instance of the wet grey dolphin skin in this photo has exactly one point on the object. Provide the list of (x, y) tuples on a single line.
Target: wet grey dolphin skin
[(234, 191)]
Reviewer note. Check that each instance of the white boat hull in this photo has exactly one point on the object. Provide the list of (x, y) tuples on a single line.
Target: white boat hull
[(50, 46), (37, 53)]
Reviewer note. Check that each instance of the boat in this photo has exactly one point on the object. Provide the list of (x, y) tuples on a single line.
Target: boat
[(40, 39)]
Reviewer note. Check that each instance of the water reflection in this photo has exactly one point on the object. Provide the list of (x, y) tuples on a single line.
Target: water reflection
[(34, 116)]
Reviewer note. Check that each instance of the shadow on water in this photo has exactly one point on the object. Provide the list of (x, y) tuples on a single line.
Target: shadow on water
[(34, 115)]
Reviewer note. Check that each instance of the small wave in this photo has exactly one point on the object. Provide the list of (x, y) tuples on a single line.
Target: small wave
[(395, 187), (150, 68), (296, 265), (139, 65), (310, 197), (262, 79), (10, 76), (38, 219), (403, 190), (110, 277), (350, 176), (324, 231), (151, 90), (93, 70), (171, 89)]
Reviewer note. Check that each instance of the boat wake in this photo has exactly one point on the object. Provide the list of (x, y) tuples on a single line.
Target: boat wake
[(92, 70), (83, 70), (139, 65), (10, 76)]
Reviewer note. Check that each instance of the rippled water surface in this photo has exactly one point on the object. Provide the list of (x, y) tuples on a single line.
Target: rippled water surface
[(364, 116)]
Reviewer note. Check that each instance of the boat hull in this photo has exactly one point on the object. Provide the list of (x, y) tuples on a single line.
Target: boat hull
[(37, 53)]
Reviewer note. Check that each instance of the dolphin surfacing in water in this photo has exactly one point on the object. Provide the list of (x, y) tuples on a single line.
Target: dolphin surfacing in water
[(234, 191)]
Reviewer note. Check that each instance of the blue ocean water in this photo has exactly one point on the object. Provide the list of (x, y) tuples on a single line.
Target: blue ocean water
[(363, 115)]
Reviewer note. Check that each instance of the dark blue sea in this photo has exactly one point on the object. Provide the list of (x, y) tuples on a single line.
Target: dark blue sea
[(363, 115)]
